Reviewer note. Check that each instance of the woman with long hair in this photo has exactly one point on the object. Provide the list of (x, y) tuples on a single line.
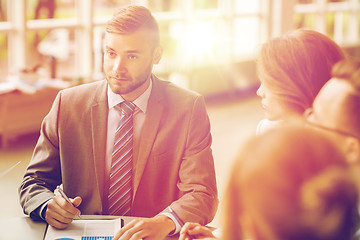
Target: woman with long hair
[(292, 69)]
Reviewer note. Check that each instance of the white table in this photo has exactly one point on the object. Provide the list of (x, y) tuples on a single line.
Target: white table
[(18, 228)]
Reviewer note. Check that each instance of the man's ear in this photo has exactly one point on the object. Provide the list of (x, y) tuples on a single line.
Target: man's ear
[(157, 54), (353, 150)]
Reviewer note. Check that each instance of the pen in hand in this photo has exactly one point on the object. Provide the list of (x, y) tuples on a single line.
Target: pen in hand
[(65, 197)]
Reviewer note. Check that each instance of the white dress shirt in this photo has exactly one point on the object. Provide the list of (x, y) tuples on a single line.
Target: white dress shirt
[(265, 125), (114, 116)]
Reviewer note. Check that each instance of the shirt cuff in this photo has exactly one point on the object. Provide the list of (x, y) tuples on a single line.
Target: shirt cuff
[(173, 218), (40, 211)]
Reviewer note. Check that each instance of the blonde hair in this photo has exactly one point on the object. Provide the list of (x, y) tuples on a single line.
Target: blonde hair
[(294, 184), (130, 19), (296, 65)]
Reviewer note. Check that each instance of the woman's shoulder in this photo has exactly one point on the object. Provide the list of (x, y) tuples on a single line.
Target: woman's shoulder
[(265, 125)]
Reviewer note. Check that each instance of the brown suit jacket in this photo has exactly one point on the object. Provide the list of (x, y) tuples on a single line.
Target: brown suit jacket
[(173, 163)]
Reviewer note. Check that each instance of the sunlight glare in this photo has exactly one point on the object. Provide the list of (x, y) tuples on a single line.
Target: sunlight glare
[(196, 41)]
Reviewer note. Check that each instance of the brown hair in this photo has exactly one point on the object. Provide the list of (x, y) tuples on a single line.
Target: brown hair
[(294, 184), (296, 65), (131, 18), (349, 70)]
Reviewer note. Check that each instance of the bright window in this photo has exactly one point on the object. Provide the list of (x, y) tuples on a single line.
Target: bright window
[(339, 19), (194, 34)]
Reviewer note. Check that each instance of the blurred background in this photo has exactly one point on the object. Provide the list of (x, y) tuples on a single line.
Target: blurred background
[(210, 46)]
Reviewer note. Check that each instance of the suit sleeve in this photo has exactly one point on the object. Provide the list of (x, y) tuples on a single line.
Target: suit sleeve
[(197, 180), (43, 173)]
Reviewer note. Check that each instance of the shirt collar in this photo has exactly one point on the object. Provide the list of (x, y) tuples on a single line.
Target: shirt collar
[(141, 102)]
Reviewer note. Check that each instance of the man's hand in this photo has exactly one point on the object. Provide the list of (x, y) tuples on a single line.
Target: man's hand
[(195, 231), (155, 228), (59, 213)]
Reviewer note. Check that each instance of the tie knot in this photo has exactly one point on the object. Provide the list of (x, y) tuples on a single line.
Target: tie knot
[(127, 107)]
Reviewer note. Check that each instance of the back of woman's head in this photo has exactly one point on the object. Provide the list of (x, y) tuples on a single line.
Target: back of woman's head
[(291, 184), (296, 65)]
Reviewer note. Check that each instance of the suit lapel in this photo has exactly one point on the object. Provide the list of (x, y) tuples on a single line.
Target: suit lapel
[(149, 130), (99, 113)]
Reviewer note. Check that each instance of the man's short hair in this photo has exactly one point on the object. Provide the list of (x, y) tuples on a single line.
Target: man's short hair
[(131, 18), (349, 70)]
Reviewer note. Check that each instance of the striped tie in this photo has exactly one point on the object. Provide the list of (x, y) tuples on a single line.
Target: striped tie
[(120, 188)]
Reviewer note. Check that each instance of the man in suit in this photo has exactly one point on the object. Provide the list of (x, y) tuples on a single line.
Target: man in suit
[(336, 109), (172, 175)]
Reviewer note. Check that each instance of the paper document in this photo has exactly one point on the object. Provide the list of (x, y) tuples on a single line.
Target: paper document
[(85, 230)]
